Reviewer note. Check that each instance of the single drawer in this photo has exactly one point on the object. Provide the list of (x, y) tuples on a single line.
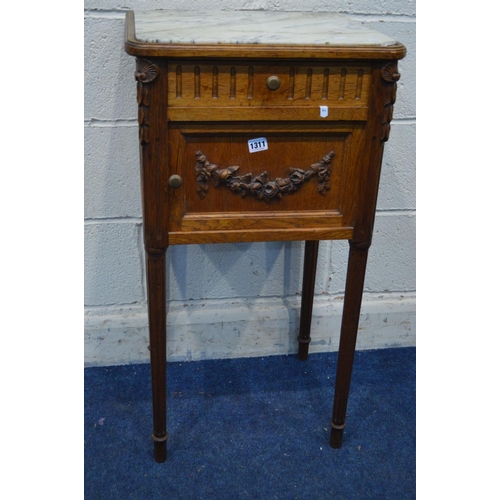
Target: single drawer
[(267, 91)]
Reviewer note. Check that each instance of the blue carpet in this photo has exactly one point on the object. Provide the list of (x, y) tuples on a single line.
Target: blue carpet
[(254, 428)]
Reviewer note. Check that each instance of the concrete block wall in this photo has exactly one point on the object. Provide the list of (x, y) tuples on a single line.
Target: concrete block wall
[(233, 300)]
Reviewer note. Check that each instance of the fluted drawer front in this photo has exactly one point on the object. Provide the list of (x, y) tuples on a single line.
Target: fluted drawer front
[(226, 85)]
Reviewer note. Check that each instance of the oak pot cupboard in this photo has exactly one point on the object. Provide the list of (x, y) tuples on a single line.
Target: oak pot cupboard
[(260, 126)]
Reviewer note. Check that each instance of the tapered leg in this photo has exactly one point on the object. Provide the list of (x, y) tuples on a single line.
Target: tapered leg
[(308, 280), (358, 254), (157, 311)]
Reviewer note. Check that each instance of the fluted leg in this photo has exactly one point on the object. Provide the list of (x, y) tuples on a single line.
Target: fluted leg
[(157, 311), (358, 254), (308, 280)]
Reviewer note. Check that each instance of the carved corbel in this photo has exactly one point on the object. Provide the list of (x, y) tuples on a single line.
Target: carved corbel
[(390, 76), (145, 73)]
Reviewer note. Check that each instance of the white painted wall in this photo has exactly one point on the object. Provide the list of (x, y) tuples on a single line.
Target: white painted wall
[(232, 300)]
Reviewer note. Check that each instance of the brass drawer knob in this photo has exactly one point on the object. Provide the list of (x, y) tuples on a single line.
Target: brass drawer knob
[(273, 83), (175, 181)]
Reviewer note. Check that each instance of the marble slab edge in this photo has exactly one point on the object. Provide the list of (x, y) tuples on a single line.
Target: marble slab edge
[(139, 48)]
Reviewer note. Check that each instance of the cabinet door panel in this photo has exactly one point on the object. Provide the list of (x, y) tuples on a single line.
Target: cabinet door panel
[(297, 182)]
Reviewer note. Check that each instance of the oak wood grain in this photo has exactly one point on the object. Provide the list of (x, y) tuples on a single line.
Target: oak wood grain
[(251, 220), (250, 235)]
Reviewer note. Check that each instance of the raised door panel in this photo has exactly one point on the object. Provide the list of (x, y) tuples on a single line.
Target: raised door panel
[(298, 184)]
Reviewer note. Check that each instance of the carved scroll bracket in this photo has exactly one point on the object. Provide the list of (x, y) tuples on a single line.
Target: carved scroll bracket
[(260, 186), (145, 73), (390, 72), (390, 76)]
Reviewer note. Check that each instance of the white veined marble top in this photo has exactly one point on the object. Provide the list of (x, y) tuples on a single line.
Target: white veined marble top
[(254, 27)]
